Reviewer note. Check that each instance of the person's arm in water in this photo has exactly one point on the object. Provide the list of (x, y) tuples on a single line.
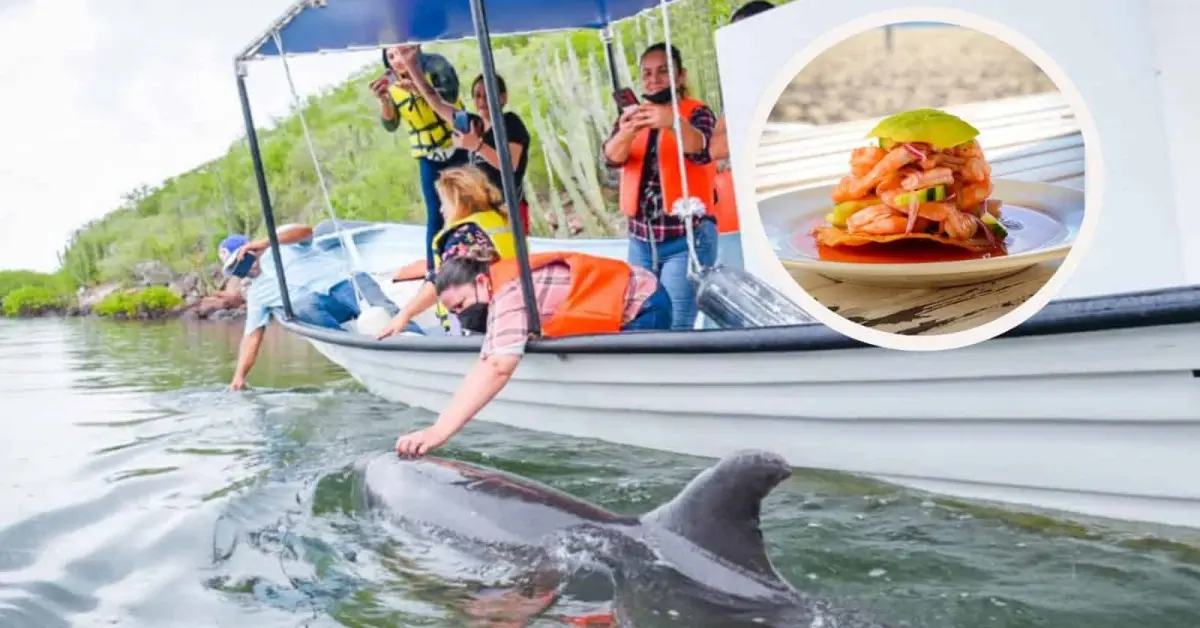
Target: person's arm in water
[(257, 318), (503, 348), (483, 382), (247, 354)]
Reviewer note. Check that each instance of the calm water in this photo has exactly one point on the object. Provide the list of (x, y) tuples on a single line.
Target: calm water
[(136, 492)]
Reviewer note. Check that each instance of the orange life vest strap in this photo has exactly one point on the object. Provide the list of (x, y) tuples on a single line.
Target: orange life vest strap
[(725, 208)]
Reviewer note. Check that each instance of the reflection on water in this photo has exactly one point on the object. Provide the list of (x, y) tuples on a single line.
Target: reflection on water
[(138, 492)]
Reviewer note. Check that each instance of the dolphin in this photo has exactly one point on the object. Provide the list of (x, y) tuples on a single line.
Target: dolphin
[(697, 561)]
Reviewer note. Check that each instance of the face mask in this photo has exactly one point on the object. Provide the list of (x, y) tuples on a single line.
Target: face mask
[(474, 317), (661, 97)]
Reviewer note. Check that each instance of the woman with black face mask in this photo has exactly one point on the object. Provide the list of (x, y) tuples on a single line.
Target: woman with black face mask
[(575, 294), (644, 148)]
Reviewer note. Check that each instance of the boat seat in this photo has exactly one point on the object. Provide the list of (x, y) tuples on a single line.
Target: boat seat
[(1029, 138)]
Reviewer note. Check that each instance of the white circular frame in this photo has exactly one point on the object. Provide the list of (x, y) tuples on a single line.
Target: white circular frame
[(756, 239)]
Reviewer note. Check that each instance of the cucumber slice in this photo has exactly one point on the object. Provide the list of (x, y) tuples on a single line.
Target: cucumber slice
[(927, 195), (995, 225), (844, 210)]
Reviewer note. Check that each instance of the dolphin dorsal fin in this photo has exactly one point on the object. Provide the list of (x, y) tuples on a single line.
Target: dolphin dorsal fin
[(718, 510)]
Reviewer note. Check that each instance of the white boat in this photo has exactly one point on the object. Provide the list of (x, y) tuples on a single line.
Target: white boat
[(1090, 407)]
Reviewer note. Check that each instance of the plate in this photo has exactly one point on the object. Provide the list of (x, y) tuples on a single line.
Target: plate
[(1043, 220)]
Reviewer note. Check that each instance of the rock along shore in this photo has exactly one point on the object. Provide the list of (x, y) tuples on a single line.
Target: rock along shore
[(206, 295)]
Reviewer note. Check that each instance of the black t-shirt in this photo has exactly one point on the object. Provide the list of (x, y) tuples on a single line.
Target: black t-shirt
[(517, 133)]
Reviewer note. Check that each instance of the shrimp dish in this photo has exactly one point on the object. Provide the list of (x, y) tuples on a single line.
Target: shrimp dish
[(926, 179)]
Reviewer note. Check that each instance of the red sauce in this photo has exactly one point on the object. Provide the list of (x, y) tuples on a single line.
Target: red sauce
[(903, 252)]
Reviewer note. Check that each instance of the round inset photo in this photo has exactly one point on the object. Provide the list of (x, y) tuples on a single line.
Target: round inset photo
[(921, 178)]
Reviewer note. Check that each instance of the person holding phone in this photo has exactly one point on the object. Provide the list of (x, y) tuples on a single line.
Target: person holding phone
[(644, 148), (318, 280), (430, 138), (473, 133)]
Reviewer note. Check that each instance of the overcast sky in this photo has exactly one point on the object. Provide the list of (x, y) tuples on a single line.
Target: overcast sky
[(101, 96)]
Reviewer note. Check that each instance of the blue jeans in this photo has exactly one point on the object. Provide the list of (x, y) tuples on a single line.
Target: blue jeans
[(654, 314), (434, 222), (673, 266), (341, 304)]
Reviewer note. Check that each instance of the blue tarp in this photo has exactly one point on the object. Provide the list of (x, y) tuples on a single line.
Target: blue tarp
[(347, 24)]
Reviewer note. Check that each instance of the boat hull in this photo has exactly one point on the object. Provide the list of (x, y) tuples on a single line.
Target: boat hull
[(1102, 423)]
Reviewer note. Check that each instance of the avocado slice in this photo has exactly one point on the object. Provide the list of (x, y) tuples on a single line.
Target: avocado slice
[(927, 195), (932, 126), (995, 225), (846, 209)]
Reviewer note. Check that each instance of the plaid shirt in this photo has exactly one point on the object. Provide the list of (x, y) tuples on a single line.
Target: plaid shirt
[(508, 325), (650, 219)]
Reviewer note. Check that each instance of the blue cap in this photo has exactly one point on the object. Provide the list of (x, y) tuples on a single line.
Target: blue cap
[(226, 252)]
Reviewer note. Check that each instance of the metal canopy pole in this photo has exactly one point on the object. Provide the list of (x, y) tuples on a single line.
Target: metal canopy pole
[(606, 35), (507, 177), (264, 195)]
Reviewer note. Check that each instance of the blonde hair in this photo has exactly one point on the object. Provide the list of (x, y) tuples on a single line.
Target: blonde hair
[(466, 190)]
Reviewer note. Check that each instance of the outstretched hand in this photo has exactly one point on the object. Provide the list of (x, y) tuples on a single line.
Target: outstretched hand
[(418, 443), (394, 326)]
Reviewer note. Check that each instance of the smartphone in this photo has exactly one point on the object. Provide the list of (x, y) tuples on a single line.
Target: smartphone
[(388, 77), (241, 268), (625, 98), (462, 121)]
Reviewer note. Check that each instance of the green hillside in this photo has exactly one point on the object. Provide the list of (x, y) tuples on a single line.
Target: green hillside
[(557, 82)]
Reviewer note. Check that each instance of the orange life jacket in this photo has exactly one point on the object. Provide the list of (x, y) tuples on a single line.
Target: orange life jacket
[(700, 178), (596, 301), (725, 208)]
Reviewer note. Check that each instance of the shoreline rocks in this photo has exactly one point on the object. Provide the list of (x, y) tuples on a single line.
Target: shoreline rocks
[(225, 301)]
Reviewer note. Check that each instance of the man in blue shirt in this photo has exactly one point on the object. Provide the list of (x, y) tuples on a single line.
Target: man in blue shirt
[(318, 281)]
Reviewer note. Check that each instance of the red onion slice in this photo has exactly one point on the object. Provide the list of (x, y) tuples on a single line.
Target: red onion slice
[(913, 205), (987, 231), (914, 151)]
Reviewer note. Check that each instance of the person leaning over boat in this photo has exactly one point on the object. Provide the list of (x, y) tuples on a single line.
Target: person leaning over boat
[(725, 205), (575, 294), (480, 141), (644, 148), (476, 221), (317, 280), (431, 141)]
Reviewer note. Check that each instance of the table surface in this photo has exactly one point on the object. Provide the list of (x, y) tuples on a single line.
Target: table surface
[(1027, 138)]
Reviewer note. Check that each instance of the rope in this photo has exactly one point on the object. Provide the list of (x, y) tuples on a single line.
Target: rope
[(694, 266), (355, 261)]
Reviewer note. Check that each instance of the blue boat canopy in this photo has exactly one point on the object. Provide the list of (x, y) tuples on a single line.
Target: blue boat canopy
[(335, 25)]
